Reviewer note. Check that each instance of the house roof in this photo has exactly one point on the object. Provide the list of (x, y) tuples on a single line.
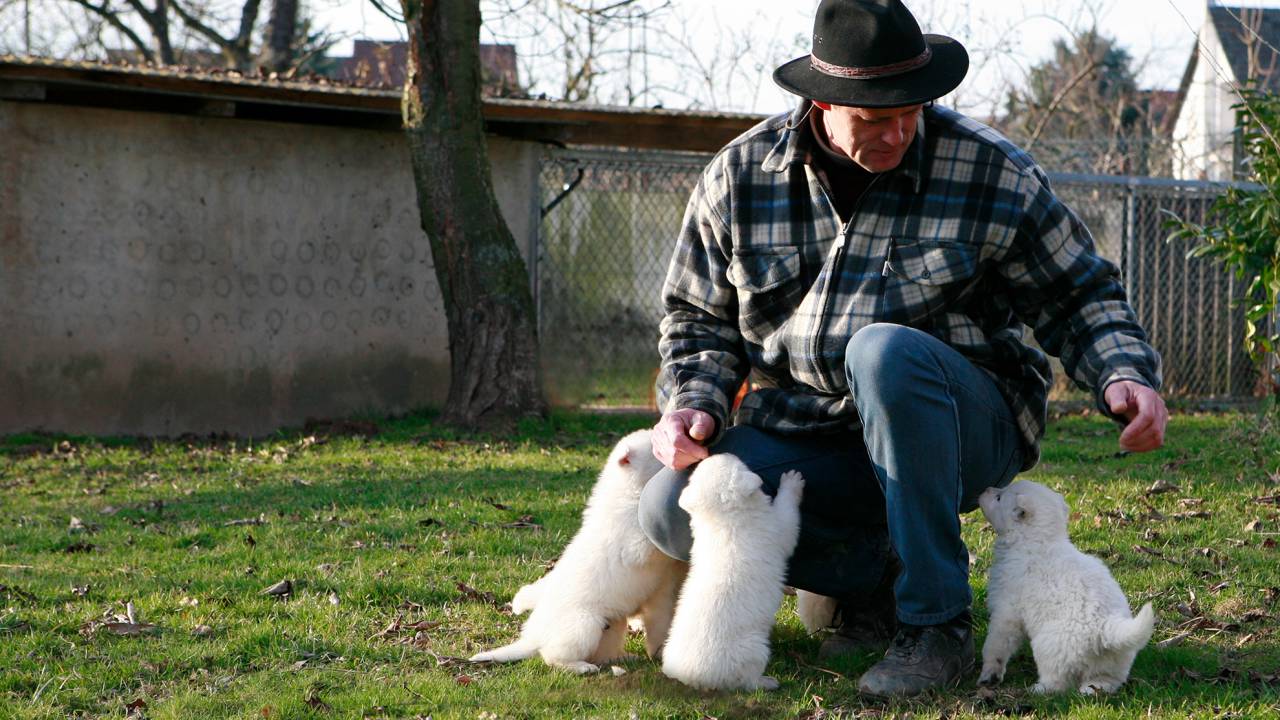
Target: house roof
[(1250, 37), (316, 100)]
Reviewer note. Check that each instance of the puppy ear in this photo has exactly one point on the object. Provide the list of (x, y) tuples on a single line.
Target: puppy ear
[(744, 482), (1020, 509)]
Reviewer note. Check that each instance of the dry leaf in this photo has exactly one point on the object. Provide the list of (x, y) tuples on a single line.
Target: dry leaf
[(333, 598), (474, 594), (202, 631), (1173, 641), (1253, 526), (262, 518), (1162, 486), (282, 589), (128, 629)]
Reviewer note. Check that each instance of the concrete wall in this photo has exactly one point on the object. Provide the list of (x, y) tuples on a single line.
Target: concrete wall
[(164, 274)]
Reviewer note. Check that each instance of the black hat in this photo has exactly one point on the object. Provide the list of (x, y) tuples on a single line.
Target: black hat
[(870, 53)]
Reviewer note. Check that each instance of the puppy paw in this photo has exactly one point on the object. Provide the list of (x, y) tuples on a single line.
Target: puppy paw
[(580, 667), (991, 677), (1040, 689), (766, 683), (793, 480)]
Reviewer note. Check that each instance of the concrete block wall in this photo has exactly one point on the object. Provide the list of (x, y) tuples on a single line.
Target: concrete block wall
[(165, 274)]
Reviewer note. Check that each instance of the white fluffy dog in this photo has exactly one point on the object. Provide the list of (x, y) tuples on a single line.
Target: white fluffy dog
[(1042, 587), (817, 612), (609, 571), (742, 539)]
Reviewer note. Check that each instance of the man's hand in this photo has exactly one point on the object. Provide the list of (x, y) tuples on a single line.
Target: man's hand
[(1145, 412), (678, 437)]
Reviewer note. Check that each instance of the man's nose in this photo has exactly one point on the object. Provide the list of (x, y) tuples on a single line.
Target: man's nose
[(895, 133)]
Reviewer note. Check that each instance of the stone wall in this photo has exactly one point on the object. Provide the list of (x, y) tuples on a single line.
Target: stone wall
[(165, 274)]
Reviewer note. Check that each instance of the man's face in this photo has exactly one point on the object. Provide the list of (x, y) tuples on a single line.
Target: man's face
[(874, 138)]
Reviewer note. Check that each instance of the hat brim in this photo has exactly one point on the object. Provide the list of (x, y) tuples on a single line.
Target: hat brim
[(946, 68)]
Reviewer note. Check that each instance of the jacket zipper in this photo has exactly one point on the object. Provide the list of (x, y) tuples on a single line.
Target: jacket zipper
[(816, 345)]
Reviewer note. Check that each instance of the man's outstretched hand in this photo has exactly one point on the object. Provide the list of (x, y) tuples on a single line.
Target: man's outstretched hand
[(1144, 410), (679, 436)]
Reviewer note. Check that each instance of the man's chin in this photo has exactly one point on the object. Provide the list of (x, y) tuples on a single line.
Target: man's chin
[(880, 162)]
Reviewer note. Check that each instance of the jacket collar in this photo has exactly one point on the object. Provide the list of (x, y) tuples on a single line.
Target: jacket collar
[(795, 145)]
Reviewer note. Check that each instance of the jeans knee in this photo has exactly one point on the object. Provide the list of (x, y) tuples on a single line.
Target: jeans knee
[(875, 356), (663, 521)]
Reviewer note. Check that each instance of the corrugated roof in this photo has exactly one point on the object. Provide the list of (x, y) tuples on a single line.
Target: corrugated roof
[(323, 100)]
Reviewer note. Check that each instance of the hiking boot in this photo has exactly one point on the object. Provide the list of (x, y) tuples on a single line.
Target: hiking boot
[(867, 623), (922, 657)]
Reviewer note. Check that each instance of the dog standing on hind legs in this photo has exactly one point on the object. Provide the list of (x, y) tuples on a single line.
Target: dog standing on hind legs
[(742, 540), (609, 571), (1066, 602)]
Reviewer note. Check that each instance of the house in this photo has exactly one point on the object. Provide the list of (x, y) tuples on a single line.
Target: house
[(378, 64), (1235, 46)]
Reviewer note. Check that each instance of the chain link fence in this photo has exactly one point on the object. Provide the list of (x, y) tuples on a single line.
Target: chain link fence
[(610, 219)]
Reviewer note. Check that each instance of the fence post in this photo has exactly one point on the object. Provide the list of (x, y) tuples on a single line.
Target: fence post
[(1127, 244)]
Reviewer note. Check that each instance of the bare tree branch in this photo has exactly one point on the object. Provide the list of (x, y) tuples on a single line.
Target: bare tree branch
[(113, 19)]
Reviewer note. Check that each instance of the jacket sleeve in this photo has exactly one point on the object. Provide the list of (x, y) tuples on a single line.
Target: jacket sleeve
[(1072, 297), (703, 358)]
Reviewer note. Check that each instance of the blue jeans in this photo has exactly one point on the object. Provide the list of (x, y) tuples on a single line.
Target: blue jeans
[(935, 433)]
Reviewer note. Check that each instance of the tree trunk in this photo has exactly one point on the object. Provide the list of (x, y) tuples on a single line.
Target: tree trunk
[(493, 344), (278, 55)]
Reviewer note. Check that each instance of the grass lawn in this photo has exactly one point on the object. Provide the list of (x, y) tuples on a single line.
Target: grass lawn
[(402, 546)]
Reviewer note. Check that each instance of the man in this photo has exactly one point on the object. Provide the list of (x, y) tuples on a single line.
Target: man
[(871, 260)]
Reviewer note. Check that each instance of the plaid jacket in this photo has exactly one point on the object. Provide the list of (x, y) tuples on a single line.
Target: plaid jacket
[(964, 240)]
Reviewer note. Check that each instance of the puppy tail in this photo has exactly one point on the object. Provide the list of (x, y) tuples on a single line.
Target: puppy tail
[(1129, 633), (518, 650)]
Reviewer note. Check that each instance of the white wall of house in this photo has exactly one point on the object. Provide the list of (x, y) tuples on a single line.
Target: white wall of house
[(1203, 132)]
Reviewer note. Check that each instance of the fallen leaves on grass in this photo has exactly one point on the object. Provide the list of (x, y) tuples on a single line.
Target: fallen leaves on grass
[(282, 589), (80, 590), (525, 521), (135, 708), (79, 547), (12, 591), (471, 593), (1227, 675), (1161, 486), (124, 625), (261, 519), (1143, 549)]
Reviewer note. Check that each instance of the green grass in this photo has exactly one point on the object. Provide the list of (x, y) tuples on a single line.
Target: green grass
[(407, 530)]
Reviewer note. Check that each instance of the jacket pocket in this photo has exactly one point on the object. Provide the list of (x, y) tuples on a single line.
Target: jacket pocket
[(769, 288), (926, 278), (933, 263)]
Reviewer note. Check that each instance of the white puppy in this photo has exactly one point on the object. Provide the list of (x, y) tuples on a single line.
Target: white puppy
[(817, 612), (1042, 587), (742, 539), (609, 571)]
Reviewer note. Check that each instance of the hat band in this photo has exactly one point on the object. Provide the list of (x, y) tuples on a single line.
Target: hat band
[(871, 72)]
